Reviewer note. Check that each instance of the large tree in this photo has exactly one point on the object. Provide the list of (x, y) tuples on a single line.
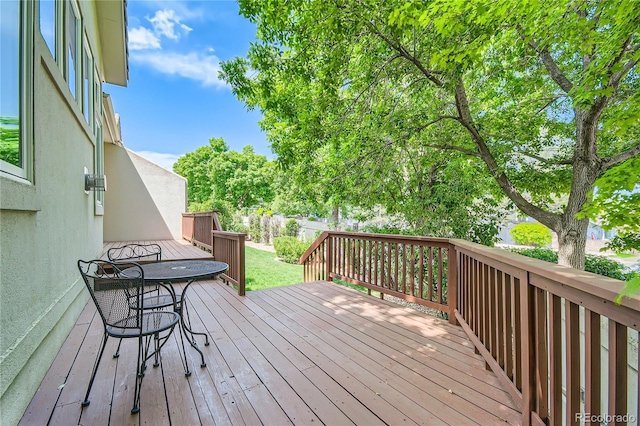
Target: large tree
[(215, 174), (542, 93)]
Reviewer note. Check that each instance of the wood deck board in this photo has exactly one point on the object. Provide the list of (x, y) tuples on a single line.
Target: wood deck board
[(312, 353), (171, 249)]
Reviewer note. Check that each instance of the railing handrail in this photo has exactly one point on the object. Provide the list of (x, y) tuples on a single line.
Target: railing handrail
[(313, 247), (204, 213), (600, 286), (584, 282)]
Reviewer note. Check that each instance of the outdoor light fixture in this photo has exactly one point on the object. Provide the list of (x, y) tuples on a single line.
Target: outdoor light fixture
[(95, 182)]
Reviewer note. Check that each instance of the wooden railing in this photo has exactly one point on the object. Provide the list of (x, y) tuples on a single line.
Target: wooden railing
[(204, 230), (565, 352), (413, 268), (228, 247), (197, 227)]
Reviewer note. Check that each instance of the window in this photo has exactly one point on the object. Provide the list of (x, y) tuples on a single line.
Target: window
[(48, 24), (87, 86), (16, 87), (72, 47), (99, 166)]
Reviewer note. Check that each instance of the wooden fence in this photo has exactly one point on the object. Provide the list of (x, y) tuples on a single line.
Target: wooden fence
[(566, 353), (204, 230)]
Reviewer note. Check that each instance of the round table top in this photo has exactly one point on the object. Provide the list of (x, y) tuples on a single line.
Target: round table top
[(181, 269)]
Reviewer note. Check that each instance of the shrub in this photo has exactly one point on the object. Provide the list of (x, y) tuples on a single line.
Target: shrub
[(289, 249), (255, 228), (531, 234), (266, 229), (291, 228), (625, 242), (600, 265), (276, 228)]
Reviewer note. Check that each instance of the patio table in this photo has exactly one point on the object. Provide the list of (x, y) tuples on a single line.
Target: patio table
[(169, 272)]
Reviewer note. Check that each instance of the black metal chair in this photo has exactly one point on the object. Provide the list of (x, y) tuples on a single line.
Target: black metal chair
[(153, 253), (112, 293), (135, 253), (144, 253)]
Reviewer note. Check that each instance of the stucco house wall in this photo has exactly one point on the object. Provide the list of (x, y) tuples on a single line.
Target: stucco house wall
[(47, 223), (143, 200)]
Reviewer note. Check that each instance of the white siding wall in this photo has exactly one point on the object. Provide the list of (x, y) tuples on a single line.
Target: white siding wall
[(143, 200)]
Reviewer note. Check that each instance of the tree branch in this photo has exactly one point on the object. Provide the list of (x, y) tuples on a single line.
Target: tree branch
[(563, 162), (551, 66), (619, 158)]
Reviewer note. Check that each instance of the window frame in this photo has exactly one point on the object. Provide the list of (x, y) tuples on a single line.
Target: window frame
[(88, 90), (71, 7), (25, 83)]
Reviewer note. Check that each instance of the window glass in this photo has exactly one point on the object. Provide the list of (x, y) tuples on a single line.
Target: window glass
[(10, 147), (87, 86), (99, 166), (47, 23), (72, 47), (97, 98)]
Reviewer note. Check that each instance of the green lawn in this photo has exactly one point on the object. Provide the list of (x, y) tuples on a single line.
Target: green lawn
[(263, 271)]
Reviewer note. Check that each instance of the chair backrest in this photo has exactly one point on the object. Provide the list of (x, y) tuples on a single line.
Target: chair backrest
[(112, 291), (136, 252)]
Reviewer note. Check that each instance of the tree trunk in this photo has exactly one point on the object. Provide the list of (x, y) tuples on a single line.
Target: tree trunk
[(335, 213), (572, 233), (572, 241)]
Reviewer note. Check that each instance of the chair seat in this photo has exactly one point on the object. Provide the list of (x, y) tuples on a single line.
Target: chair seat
[(152, 322), (157, 302)]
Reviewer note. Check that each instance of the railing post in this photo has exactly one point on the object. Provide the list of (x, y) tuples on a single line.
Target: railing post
[(241, 268), (328, 258), (527, 334), (452, 283)]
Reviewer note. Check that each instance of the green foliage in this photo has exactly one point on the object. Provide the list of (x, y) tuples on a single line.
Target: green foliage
[(264, 271), (10, 140), (600, 265), (438, 109), (289, 249), (616, 201), (291, 228), (237, 224), (255, 228), (225, 211), (624, 242), (213, 172), (531, 234), (266, 229), (630, 288)]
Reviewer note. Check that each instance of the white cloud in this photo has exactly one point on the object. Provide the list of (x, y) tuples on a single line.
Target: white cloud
[(141, 39), (161, 159), (164, 22), (195, 66)]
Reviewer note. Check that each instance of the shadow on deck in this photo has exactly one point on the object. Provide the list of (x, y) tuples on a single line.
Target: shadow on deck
[(313, 353)]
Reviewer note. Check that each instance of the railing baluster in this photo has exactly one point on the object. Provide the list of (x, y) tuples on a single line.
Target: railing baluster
[(617, 371), (593, 351), (555, 355), (572, 333), (541, 352)]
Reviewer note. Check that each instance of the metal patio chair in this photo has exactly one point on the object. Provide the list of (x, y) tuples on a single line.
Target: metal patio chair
[(153, 253), (112, 293), (144, 253)]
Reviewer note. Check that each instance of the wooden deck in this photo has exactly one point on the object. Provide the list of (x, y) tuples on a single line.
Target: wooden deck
[(171, 249), (314, 353)]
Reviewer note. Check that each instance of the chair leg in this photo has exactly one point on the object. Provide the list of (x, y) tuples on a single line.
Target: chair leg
[(139, 376), (117, 354), (95, 369)]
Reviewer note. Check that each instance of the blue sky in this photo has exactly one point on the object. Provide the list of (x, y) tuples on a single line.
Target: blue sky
[(174, 102)]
